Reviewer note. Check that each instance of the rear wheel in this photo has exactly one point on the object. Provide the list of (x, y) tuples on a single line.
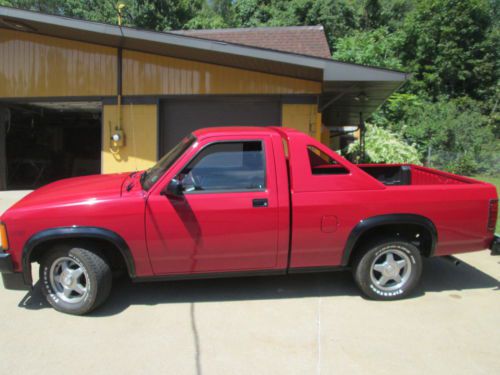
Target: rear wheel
[(388, 269), (75, 280)]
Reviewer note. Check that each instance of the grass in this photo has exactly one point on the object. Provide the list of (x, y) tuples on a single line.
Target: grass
[(495, 181)]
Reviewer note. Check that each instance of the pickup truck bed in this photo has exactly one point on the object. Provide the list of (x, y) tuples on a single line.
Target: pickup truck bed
[(405, 174)]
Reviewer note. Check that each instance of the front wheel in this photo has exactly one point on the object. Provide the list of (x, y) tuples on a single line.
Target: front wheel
[(388, 269), (75, 280)]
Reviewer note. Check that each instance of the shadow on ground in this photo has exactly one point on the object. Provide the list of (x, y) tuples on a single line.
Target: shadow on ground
[(438, 275)]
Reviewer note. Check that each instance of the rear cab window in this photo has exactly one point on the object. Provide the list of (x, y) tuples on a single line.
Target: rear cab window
[(323, 164)]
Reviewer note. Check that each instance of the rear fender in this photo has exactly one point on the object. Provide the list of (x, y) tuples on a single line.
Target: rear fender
[(383, 220)]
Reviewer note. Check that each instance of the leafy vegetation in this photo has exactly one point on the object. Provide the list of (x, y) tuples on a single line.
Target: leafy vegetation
[(450, 134), (449, 108), (382, 146)]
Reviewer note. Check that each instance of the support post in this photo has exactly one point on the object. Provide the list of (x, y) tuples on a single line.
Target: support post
[(4, 120), (362, 131)]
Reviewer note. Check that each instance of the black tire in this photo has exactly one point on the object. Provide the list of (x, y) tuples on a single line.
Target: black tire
[(374, 256), (95, 279)]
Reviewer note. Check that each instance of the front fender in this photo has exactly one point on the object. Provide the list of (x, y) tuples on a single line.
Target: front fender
[(75, 232)]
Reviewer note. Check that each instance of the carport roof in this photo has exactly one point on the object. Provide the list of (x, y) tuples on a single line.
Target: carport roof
[(343, 83)]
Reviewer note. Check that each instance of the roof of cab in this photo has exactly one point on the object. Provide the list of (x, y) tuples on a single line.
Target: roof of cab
[(233, 130)]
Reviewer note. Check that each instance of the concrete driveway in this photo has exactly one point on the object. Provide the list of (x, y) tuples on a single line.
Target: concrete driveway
[(301, 324)]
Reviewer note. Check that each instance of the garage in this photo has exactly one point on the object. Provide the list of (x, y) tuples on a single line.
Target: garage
[(46, 141), (179, 117), (67, 85)]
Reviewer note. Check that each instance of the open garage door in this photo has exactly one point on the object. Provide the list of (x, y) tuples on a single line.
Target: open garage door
[(179, 117), (41, 142)]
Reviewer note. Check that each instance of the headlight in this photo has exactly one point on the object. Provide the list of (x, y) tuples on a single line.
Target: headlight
[(4, 243)]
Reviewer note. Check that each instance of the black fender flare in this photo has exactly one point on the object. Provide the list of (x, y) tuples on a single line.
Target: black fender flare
[(382, 220), (75, 232)]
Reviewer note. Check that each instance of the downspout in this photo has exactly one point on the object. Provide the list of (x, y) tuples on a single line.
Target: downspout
[(117, 136), (119, 69), (119, 88)]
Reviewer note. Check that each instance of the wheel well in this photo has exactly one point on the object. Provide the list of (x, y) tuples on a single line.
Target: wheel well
[(418, 235), (109, 250)]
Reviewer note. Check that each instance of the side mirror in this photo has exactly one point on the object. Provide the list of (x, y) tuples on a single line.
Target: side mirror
[(175, 189)]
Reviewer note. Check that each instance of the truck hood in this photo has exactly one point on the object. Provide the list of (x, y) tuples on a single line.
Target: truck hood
[(74, 190)]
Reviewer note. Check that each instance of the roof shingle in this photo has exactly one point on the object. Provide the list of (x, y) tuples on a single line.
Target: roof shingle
[(303, 40)]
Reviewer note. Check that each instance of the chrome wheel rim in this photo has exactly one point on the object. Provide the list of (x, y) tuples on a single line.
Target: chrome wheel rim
[(69, 280), (390, 270)]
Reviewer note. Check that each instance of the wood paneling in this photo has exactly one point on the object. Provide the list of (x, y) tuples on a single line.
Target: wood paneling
[(147, 74), (34, 65)]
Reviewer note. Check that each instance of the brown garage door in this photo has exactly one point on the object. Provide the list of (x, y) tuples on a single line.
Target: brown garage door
[(179, 117)]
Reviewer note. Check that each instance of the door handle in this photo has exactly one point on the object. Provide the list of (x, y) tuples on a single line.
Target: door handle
[(260, 202)]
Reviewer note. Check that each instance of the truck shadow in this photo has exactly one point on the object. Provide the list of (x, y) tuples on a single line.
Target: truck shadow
[(438, 275)]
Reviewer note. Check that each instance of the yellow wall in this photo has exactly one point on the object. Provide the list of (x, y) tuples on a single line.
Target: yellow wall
[(34, 65), (139, 123), (38, 66), (147, 74), (302, 117)]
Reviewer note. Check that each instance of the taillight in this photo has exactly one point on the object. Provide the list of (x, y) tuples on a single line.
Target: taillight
[(492, 216)]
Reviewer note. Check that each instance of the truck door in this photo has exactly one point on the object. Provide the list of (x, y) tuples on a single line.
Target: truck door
[(227, 216)]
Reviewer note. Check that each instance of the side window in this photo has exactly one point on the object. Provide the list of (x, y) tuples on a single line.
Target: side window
[(228, 166), (322, 164)]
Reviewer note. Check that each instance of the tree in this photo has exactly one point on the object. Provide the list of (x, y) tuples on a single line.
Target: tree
[(394, 13), (162, 15), (377, 47), (251, 13), (224, 9), (339, 19), (92, 10), (206, 19), (159, 15), (450, 134), (372, 15), (452, 48)]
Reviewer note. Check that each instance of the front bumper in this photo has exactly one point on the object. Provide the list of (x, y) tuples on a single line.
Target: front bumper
[(11, 280), (495, 245)]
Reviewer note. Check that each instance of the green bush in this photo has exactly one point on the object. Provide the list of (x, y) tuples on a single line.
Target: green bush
[(456, 135), (382, 146)]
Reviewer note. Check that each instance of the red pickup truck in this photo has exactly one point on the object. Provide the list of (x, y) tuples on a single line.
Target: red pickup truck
[(243, 201)]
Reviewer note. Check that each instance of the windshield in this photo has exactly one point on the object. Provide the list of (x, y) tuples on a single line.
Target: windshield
[(154, 173)]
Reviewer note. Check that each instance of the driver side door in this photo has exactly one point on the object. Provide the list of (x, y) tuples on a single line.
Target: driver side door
[(225, 220)]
